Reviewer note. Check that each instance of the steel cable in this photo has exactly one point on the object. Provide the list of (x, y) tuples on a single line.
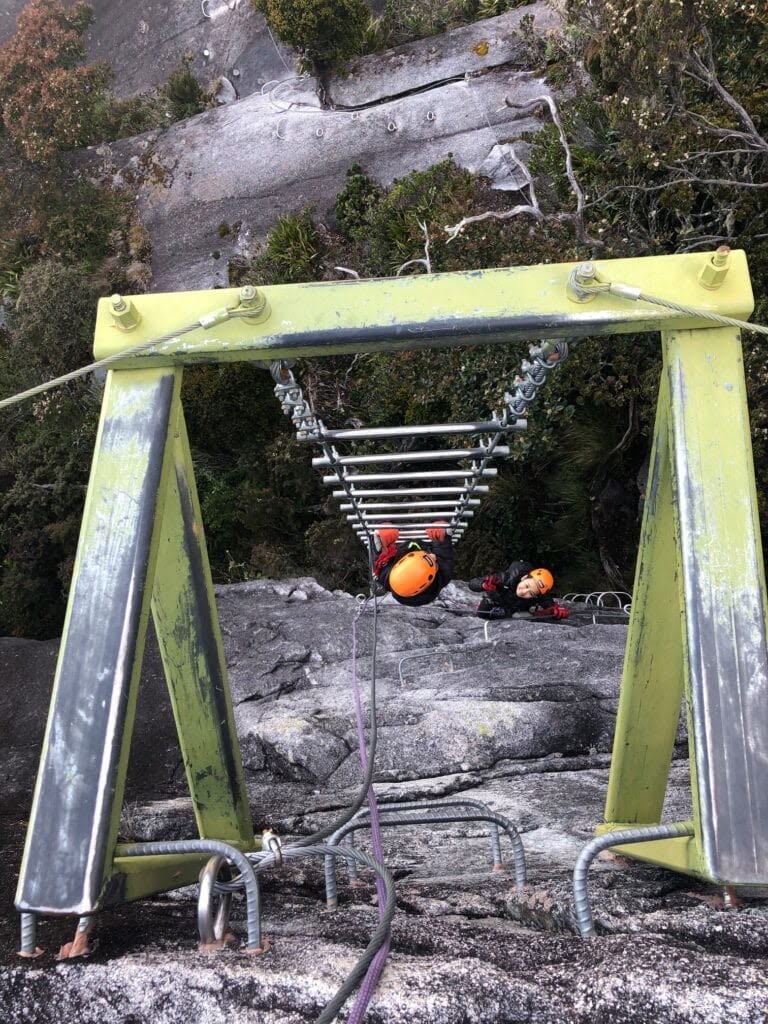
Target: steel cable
[(702, 314), (262, 862), (209, 320), (362, 795)]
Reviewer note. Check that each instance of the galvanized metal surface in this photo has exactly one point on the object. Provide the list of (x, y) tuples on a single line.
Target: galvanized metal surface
[(402, 492), (723, 582), (409, 430), (441, 454), (77, 802)]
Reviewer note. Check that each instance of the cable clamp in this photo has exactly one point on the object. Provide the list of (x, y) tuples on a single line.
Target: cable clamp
[(271, 841), (624, 290), (584, 283), (218, 316)]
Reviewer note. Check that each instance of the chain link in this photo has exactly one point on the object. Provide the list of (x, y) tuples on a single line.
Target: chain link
[(293, 403), (544, 358)]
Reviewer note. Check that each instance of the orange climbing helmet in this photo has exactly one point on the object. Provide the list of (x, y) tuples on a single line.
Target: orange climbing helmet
[(413, 574), (544, 578)]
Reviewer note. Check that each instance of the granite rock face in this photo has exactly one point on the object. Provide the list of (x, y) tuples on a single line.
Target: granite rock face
[(144, 43), (520, 720), (290, 142)]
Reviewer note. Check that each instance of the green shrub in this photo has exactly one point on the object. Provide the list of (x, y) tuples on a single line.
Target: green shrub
[(435, 197), (45, 447), (122, 118), (356, 202), (326, 30), (184, 94), (291, 254)]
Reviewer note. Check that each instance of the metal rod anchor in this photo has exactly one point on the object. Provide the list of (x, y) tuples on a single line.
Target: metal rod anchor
[(621, 837)]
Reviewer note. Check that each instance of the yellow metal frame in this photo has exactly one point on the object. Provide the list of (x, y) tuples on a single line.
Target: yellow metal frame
[(142, 546)]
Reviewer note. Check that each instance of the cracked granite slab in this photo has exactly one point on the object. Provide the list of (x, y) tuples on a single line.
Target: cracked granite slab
[(521, 722)]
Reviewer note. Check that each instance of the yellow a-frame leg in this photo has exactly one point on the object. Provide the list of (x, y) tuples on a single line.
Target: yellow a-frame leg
[(141, 543), (698, 625)]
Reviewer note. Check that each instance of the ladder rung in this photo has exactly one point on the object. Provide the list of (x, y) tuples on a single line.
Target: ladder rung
[(438, 456), (415, 533), (364, 506), (380, 478), (401, 492), (432, 430), (384, 520)]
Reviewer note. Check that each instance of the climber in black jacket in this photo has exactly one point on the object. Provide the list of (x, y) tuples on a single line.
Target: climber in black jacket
[(520, 589), (413, 571)]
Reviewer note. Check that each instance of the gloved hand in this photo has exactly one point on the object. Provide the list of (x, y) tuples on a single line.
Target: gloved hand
[(493, 582), (388, 535), (436, 532), (555, 611)]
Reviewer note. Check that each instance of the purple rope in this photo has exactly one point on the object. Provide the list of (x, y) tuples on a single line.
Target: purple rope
[(371, 979)]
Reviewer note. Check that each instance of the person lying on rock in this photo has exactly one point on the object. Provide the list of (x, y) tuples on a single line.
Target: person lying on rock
[(520, 589), (413, 571)]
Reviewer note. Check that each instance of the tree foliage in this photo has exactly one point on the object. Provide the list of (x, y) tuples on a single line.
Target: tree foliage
[(669, 143), (325, 30), (47, 94)]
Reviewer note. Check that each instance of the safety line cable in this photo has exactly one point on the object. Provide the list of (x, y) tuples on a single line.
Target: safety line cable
[(262, 862), (376, 966), (208, 320), (362, 795), (729, 321), (585, 286)]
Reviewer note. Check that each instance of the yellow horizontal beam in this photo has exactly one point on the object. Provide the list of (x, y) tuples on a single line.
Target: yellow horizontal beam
[(422, 311)]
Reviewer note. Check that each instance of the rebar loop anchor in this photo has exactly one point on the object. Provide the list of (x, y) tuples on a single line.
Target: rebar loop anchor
[(213, 925), (445, 655), (235, 857), (437, 813), (621, 837)]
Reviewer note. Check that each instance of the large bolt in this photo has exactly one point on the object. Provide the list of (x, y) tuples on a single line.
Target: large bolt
[(712, 274), (255, 302), (586, 272), (125, 316), (580, 281)]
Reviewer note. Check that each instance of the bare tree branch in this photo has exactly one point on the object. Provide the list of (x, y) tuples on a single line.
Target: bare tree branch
[(425, 262), (706, 73), (683, 180), (530, 211), (532, 208), (555, 115)]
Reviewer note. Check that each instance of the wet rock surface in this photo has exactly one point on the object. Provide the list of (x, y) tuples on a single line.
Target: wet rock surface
[(521, 722)]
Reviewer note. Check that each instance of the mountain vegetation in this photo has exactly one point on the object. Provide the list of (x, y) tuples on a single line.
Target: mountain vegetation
[(667, 124)]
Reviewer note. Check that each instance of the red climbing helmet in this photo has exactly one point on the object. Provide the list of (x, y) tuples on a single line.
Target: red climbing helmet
[(544, 578), (413, 573)]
